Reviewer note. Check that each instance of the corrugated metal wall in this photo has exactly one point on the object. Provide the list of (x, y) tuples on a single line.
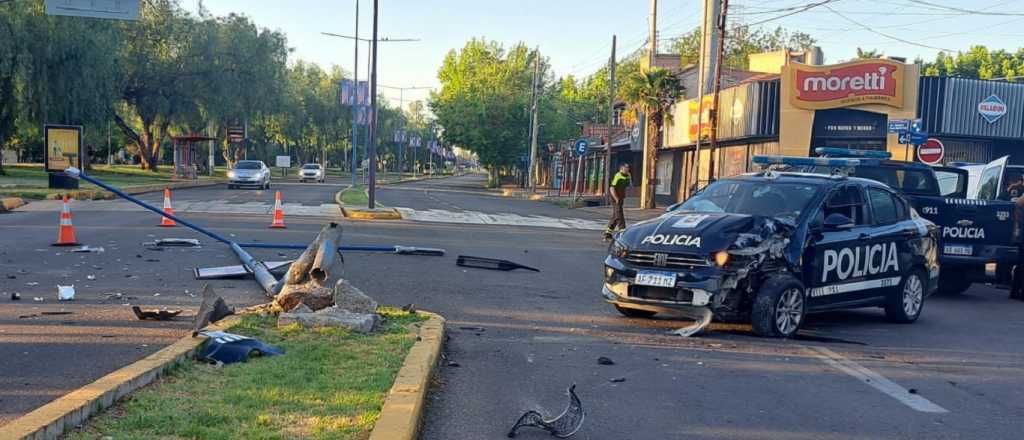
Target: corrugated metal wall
[(960, 108)]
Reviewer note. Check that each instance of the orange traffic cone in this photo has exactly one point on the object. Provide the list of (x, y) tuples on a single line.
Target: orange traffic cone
[(278, 212), (164, 221), (66, 235)]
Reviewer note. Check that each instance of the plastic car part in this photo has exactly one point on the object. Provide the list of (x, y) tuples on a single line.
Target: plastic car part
[(490, 263), (228, 348), (563, 426), (154, 314), (701, 320), (212, 309)]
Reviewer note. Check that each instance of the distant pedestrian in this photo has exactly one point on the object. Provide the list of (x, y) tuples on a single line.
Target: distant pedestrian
[(617, 191)]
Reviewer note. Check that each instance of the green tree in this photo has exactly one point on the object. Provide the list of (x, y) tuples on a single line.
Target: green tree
[(652, 93), (863, 54), (483, 102)]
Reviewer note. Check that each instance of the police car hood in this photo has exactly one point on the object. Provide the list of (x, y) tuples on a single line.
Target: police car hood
[(702, 232)]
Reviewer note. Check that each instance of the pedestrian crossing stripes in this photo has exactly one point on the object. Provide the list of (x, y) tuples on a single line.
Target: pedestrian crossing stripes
[(206, 207), (504, 219)]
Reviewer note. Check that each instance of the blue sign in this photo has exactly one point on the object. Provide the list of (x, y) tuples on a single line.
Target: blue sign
[(581, 146), (916, 126), (918, 138), (899, 125)]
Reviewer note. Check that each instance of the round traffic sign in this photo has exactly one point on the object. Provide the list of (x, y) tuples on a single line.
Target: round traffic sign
[(931, 152), (581, 146)]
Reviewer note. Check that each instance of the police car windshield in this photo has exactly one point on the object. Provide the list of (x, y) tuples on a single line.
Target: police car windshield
[(782, 200)]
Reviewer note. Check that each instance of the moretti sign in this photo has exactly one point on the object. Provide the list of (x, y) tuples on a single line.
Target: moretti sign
[(848, 84)]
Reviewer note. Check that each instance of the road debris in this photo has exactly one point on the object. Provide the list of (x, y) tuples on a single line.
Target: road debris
[(176, 242), (490, 263), (617, 379), (563, 426), (31, 283), (87, 249), (90, 277), (212, 309), (154, 314), (65, 293), (37, 299), (27, 316), (236, 271), (62, 312), (15, 296), (605, 361), (701, 317), (228, 348)]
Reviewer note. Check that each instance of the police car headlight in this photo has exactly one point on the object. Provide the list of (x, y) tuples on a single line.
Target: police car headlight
[(617, 249), (721, 258)]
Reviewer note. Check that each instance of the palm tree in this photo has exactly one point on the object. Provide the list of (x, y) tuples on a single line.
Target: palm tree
[(652, 93)]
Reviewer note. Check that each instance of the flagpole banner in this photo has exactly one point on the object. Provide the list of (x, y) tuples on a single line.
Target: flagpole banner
[(363, 93), (347, 92)]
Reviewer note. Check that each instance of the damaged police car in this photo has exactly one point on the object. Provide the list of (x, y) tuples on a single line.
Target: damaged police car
[(772, 247)]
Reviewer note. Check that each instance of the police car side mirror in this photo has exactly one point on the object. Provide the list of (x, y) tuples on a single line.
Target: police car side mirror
[(837, 222)]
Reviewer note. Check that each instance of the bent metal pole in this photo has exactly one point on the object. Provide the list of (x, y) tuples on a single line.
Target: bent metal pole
[(257, 267)]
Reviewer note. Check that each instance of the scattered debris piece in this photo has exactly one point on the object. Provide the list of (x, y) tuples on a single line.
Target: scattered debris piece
[(114, 295), (66, 293), (605, 361), (563, 426), (912, 391), (12, 277), (349, 297), (454, 364), (62, 312), (27, 316), (90, 277), (212, 309), (617, 379), (409, 308), (702, 318), (15, 296), (37, 299), (31, 283), (472, 328), (88, 249), (152, 260), (237, 271), (490, 263), (228, 348), (177, 242), (154, 314)]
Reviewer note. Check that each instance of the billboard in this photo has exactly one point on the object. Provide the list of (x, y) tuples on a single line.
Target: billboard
[(63, 147), (847, 84)]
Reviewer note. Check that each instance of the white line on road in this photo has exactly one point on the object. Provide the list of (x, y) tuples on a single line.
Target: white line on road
[(877, 381)]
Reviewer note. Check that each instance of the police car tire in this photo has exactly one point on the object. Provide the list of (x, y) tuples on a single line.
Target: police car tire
[(894, 310), (762, 316), (634, 313)]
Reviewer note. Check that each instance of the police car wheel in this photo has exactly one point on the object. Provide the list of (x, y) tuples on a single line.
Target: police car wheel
[(905, 305), (634, 313), (779, 307)]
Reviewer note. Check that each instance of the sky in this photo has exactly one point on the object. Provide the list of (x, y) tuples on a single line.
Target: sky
[(576, 34)]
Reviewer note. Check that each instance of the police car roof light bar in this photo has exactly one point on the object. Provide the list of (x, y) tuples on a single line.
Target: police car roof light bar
[(805, 161), (849, 152)]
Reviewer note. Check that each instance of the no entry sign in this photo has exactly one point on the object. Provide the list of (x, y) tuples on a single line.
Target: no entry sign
[(931, 152)]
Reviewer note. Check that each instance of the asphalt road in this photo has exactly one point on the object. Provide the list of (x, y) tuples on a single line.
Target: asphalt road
[(518, 339)]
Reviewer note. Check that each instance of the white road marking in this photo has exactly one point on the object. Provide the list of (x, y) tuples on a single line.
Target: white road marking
[(877, 381), (506, 219)]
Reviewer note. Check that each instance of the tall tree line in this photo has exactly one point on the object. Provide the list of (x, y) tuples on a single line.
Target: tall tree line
[(170, 73)]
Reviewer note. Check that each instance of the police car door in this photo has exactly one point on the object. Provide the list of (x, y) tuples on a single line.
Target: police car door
[(893, 240), (837, 255)]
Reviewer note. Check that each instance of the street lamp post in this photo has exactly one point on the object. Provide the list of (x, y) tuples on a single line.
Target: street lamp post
[(401, 105)]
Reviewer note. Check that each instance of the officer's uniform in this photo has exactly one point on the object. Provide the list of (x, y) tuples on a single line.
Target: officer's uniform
[(618, 188), (1017, 284)]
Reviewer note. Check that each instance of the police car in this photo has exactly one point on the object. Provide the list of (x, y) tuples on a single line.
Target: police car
[(772, 247)]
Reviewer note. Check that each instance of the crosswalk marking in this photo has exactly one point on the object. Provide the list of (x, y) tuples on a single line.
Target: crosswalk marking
[(504, 219), (206, 207)]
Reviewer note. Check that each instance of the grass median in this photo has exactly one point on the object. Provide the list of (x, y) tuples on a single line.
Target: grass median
[(329, 384), (30, 181), (355, 196)]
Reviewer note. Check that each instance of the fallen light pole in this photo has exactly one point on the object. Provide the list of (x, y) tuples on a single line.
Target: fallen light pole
[(400, 250)]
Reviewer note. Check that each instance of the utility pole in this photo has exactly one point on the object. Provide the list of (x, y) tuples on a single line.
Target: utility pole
[(355, 118), (611, 120), (713, 144), (650, 153), (532, 178), (708, 60), (373, 115)]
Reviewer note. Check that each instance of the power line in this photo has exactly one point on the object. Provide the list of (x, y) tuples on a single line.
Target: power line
[(966, 11), (891, 37), (805, 8)]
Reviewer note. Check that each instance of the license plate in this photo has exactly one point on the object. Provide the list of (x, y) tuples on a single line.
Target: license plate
[(655, 279), (958, 249)]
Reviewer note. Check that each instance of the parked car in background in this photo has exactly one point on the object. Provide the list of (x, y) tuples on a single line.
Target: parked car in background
[(252, 173), (312, 171)]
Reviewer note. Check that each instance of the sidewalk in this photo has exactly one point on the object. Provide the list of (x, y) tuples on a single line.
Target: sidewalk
[(632, 207)]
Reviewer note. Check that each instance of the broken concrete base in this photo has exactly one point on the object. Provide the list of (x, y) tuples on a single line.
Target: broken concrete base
[(312, 294), (333, 317), (350, 298)]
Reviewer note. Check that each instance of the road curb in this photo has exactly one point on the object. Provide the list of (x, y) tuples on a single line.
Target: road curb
[(403, 408), (365, 213), (11, 203), (73, 409), (141, 189)]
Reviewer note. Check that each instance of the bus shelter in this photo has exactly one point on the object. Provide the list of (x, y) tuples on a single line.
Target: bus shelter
[(186, 155)]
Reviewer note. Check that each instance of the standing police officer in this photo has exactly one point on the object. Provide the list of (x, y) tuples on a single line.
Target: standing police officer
[(617, 190), (1017, 284)]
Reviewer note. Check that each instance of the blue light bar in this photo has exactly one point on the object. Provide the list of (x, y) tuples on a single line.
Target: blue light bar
[(847, 152), (805, 161)]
